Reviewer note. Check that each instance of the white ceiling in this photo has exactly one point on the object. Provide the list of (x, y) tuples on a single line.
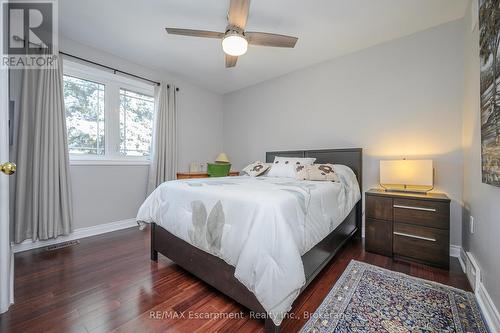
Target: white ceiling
[(135, 30)]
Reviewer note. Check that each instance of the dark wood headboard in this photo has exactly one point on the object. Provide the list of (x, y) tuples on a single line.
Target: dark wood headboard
[(351, 157)]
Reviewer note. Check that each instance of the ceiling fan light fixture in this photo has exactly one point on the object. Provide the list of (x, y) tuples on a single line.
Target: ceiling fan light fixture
[(234, 44)]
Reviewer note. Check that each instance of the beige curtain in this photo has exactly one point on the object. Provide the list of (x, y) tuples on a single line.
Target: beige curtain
[(43, 207), (164, 159)]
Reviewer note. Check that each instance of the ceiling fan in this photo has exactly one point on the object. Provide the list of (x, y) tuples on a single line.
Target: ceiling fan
[(235, 39)]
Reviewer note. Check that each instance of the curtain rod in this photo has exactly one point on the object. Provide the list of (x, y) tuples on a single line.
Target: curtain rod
[(113, 69)]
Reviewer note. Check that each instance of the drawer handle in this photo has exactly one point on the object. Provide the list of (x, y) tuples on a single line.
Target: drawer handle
[(415, 208), (414, 236)]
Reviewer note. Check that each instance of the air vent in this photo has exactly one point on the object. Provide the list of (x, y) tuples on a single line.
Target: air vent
[(61, 245)]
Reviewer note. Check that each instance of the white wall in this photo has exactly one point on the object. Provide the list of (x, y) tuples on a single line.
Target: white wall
[(103, 194), (398, 99), (480, 200)]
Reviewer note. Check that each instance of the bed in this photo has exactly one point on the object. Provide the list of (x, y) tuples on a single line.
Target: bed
[(213, 264)]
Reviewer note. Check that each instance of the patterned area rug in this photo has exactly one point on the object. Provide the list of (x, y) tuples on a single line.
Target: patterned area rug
[(372, 299)]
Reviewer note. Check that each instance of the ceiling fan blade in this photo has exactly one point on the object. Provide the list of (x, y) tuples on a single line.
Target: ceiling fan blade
[(231, 60), (266, 39), (238, 13), (195, 33)]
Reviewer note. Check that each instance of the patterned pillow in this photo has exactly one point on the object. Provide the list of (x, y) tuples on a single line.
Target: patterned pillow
[(317, 172), (284, 167), (256, 169)]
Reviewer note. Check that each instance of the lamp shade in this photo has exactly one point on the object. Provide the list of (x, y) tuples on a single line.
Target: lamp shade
[(407, 172), (222, 158)]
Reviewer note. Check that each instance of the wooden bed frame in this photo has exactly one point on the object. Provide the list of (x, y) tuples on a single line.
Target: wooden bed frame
[(220, 275)]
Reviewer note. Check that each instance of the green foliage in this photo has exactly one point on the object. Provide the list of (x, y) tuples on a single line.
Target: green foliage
[(84, 102), (136, 123)]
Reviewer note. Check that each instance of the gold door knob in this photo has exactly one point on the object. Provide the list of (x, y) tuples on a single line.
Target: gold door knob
[(8, 168)]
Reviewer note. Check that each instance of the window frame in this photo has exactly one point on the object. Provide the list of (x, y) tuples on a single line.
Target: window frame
[(112, 85)]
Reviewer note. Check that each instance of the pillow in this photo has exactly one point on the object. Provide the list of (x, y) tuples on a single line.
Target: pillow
[(317, 172), (256, 169), (294, 160), (284, 167), (346, 175), (282, 171)]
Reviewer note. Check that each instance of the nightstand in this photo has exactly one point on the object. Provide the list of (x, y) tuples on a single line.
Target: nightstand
[(189, 175), (408, 226)]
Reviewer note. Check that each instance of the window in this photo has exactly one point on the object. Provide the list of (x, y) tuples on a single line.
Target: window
[(136, 123), (109, 118), (84, 101)]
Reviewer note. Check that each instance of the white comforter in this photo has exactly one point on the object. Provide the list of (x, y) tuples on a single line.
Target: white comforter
[(261, 226)]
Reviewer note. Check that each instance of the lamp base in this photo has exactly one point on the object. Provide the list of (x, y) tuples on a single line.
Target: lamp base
[(407, 188)]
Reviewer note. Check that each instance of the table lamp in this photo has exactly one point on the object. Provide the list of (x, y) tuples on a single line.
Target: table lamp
[(407, 175), (220, 168)]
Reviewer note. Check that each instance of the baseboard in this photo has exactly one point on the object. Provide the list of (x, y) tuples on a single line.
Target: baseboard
[(77, 234), (488, 309), (461, 259), (455, 251)]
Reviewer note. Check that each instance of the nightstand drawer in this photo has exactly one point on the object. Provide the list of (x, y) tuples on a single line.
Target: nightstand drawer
[(378, 207), (421, 212), (421, 243)]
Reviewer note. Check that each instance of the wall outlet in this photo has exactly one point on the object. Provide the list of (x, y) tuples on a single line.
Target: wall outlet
[(471, 224)]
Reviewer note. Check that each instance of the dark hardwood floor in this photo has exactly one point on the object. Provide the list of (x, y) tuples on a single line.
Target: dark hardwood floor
[(108, 283)]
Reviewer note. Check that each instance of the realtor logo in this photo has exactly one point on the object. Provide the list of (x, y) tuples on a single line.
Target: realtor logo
[(29, 33)]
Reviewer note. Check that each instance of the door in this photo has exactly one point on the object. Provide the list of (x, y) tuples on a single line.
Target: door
[(6, 256)]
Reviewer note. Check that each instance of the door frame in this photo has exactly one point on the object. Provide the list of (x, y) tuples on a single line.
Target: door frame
[(6, 253)]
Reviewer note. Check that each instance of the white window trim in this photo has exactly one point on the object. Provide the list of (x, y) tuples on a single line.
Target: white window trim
[(113, 83), (108, 161)]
